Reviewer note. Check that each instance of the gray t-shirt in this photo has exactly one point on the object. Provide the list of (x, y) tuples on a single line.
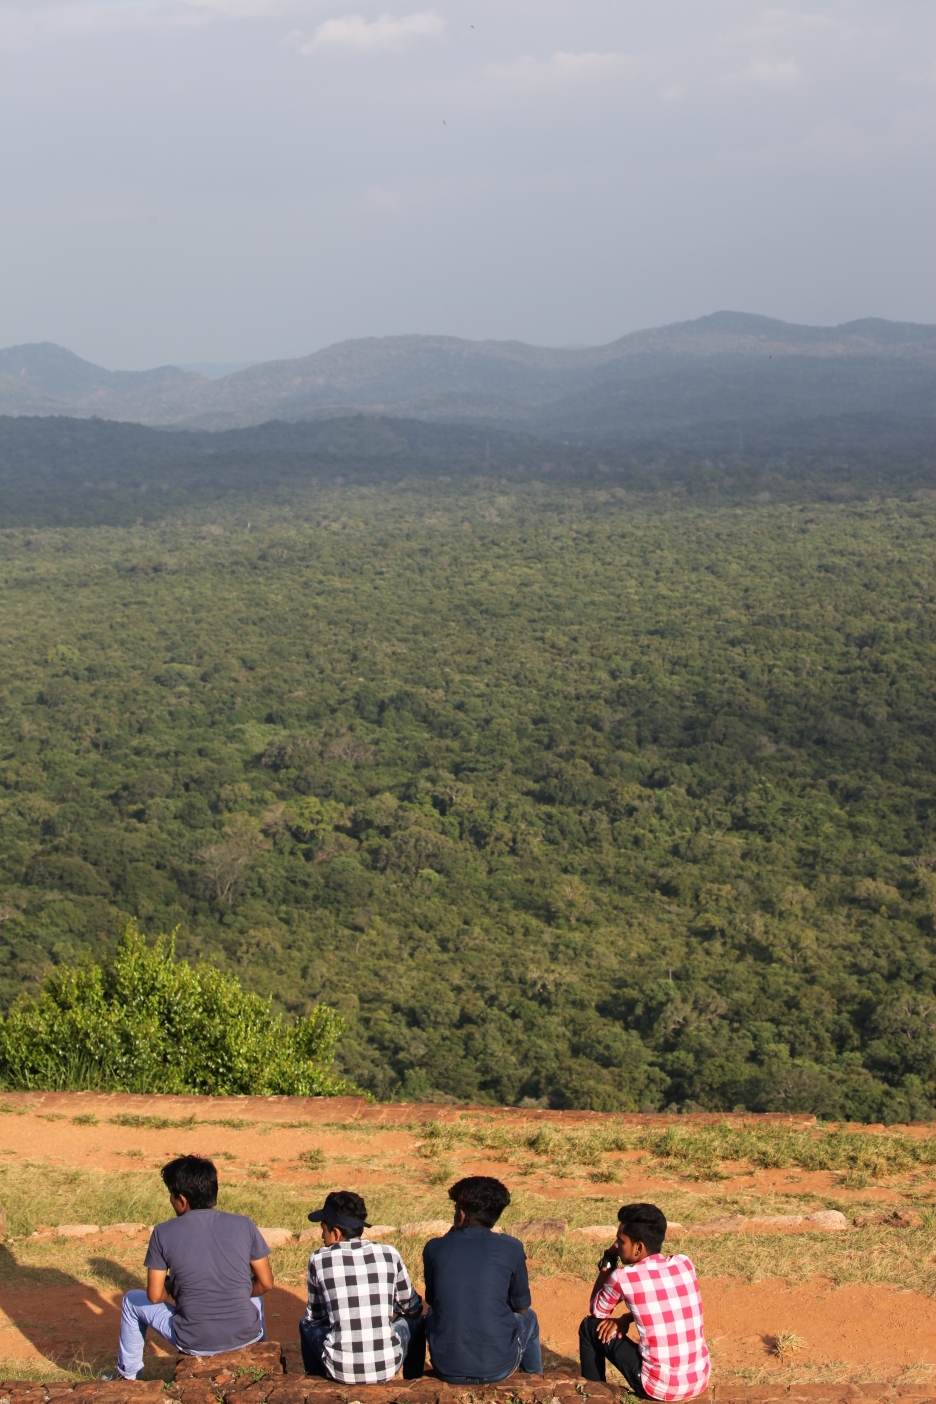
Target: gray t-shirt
[(207, 1255)]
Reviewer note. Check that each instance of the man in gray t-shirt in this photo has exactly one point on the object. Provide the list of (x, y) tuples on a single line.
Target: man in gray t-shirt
[(206, 1274)]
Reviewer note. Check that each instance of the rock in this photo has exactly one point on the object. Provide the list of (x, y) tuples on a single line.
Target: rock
[(540, 1228), (728, 1223), (291, 1358), (276, 1237), (899, 1218), (425, 1228), (293, 1391), (827, 1219), (600, 1233), (776, 1220), (378, 1231), (742, 1223), (76, 1230), (122, 1228)]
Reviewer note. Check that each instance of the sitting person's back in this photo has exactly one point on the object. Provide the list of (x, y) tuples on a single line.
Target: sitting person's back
[(206, 1273), (479, 1326), (363, 1319), (671, 1361), (206, 1255)]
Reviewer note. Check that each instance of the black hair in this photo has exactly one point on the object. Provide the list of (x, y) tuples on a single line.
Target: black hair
[(643, 1223), (349, 1205), (193, 1177), (481, 1198)]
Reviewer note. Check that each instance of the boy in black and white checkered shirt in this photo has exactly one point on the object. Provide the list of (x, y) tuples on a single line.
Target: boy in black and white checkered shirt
[(363, 1319)]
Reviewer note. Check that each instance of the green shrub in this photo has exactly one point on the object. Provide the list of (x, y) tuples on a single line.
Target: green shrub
[(145, 1022)]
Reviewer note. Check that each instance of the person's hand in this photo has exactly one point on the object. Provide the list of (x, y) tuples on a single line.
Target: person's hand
[(608, 1330)]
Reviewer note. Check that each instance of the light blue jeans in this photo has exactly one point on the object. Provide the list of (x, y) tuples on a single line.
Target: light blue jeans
[(138, 1313)]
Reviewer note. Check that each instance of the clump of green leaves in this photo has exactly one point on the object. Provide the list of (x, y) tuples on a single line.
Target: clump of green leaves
[(145, 1022)]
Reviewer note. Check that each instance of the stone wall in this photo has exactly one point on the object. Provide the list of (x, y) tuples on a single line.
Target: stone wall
[(270, 1374)]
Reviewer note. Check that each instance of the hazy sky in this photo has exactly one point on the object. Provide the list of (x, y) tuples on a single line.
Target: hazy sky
[(188, 180)]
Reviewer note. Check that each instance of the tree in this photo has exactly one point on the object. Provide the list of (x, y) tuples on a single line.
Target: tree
[(145, 1022)]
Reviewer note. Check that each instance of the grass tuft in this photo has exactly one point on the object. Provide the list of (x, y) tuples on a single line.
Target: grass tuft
[(786, 1343)]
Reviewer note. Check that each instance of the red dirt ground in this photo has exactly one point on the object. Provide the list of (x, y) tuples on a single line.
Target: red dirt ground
[(879, 1331)]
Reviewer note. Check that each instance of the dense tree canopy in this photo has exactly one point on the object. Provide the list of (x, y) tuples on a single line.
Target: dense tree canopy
[(557, 793)]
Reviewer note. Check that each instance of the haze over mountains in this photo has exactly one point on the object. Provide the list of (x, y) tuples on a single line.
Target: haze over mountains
[(727, 368)]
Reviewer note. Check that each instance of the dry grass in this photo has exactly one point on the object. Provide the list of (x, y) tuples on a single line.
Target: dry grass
[(702, 1153), (785, 1344)]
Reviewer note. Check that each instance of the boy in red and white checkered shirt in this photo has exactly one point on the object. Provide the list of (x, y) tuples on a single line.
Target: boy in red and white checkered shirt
[(663, 1301)]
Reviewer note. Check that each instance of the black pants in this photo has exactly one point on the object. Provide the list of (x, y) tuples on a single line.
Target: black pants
[(622, 1352)]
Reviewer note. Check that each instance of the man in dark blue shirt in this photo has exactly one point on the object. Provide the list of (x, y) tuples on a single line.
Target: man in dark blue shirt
[(480, 1327)]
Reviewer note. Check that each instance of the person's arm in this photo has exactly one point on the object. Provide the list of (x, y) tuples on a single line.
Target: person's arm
[(317, 1302), (607, 1292), (156, 1286), (518, 1293), (261, 1273), (406, 1300), (429, 1275), (157, 1271)]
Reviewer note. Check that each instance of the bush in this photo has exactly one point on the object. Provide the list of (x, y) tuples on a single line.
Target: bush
[(145, 1022)]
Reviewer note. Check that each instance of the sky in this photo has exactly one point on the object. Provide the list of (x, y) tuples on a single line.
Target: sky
[(237, 180)]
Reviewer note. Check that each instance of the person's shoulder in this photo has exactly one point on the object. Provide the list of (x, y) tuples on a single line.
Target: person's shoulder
[(383, 1250), (445, 1241), (681, 1262), (230, 1218), (659, 1266), (169, 1228), (509, 1243)]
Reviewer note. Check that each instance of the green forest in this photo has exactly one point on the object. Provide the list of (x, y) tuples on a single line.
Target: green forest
[(560, 793)]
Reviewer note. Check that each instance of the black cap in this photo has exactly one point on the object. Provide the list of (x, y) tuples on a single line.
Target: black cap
[(333, 1216)]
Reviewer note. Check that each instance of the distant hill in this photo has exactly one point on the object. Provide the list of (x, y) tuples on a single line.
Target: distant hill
[(728, 367)]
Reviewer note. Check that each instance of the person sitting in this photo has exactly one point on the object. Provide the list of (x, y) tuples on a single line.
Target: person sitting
[(479, 1325), (206, 1274), (663, 1301), (363, 1319)]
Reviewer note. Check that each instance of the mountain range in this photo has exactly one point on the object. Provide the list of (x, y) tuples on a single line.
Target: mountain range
[(729, 368)]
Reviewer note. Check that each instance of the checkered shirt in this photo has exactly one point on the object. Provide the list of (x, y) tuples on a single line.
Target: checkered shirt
[(663, 1294), (358, 1287)]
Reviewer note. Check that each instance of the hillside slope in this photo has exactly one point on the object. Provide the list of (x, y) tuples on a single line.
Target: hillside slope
[(728, 366)]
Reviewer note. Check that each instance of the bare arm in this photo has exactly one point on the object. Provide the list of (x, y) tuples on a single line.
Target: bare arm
[(262, 1275), (610, 1327), (156, 1285)]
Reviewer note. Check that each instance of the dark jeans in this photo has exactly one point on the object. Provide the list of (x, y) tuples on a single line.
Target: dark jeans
[(622, 1352), (410, 1331), (529, 1360)]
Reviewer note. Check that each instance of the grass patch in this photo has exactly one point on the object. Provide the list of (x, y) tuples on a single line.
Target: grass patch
[(151, 1123), (704, 1153), (41, 1372)]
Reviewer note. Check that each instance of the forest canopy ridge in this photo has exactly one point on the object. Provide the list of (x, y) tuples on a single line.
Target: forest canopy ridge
[(85, 472)]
